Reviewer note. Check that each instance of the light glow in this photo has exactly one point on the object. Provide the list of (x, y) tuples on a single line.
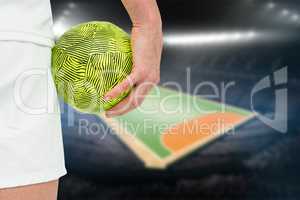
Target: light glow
[(59, 28), (71, 5), (66, 12), (209, 38), (295, 17), (271, 5), (285, 12)]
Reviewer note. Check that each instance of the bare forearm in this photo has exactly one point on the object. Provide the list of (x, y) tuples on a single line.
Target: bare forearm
[(146, 42), (143, 12)]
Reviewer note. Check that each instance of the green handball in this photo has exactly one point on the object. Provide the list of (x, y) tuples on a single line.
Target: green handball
[(88, 61)]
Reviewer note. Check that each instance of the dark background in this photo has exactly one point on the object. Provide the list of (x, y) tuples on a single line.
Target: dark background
[(255, 163)]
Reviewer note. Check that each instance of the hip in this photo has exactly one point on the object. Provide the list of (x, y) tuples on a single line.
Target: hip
[(27, 93)]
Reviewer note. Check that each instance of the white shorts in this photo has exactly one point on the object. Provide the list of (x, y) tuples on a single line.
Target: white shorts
[(31, 147)]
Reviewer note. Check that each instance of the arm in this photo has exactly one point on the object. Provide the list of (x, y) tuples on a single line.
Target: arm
[(146, 39)]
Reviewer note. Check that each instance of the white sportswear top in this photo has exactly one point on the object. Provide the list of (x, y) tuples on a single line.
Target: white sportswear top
[(26, 20), (31, 147)]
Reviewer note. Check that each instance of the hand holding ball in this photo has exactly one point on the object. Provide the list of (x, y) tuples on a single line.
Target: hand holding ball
[(88, 61)]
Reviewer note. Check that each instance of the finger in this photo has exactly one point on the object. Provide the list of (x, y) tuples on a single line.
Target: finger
[(122, 107), (121, 87), (134, 100), (131, 102)]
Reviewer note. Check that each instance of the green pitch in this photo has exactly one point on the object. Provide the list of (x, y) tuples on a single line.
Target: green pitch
[(170, 124)]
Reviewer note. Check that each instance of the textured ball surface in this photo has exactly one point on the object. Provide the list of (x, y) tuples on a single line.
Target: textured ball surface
[(88, 61)]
